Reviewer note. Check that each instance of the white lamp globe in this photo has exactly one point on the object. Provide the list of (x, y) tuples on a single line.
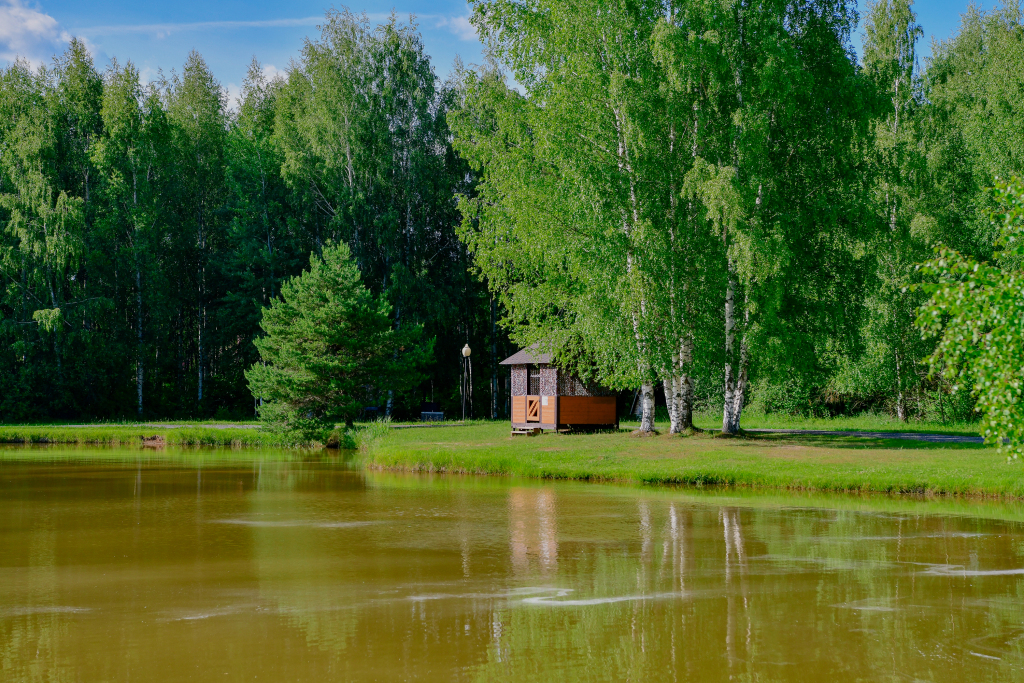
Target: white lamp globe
[(466, 351)]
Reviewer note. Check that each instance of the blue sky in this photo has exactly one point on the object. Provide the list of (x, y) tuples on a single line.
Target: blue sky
[(228, 33)]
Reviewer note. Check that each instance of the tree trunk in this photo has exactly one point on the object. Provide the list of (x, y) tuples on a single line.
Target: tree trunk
[(138, 336), (647, 408), (139, 374), (679, 394), (643, 363), (199, 365), (202, 312), (735, 377), (494, 359), (391, 393), (672, 386), (685, 403), (739, 392), (730, 340), (901, 401)]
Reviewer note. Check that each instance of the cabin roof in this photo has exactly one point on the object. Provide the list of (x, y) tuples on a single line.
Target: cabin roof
[(531, 354)]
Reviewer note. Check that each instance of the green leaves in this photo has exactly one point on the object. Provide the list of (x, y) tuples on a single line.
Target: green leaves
[(329, 346), (977, 311), (49, 319), (661, 159)]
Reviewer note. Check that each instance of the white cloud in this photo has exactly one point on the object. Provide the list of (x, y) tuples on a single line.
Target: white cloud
[(29, 33), (164, 30), (234, 91), (234, 96), (148, 74), (460, 26), (270, 72)]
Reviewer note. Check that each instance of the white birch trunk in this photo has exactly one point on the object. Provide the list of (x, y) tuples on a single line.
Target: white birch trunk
[(685, 403), (739, 393), (669, 384), (735, 378), (901, 401), (647, 408), (643, 364), (672, 388), (730, 340)]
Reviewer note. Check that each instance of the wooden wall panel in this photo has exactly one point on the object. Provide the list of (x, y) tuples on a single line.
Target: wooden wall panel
[(549, 412), (586, 410), (519, 409)]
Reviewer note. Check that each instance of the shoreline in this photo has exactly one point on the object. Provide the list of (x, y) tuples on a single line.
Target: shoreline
[(146, 435), (807, 462), (782, 460)]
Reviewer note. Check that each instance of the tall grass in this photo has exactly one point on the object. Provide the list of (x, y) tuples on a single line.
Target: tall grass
[(135, 435), (189, 435)]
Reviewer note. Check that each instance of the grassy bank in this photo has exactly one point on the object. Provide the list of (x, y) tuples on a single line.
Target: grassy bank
[(144, 435), (809, 463)]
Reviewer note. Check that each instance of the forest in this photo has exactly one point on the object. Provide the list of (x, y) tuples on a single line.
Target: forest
[(146, 225), (720, 203)]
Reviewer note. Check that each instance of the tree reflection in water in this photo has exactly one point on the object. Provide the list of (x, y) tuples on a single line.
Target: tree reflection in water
[(308, 570)]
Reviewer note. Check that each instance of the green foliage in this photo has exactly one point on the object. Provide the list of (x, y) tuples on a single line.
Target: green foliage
[(361, 128), (644, 207), (714, 196), (328, 342), (977, 311), (974, 124), (159, 222)]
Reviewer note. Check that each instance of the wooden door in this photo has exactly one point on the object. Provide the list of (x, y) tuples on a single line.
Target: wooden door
[(533, 408)]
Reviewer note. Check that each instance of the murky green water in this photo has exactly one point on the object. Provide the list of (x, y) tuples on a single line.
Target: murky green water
[(204, 570)]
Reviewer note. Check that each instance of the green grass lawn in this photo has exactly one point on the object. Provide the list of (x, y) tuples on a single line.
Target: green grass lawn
[(811, 463), (869, 422)]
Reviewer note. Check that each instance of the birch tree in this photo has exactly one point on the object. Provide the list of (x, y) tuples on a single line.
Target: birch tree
[(577, 223), (892, 345), (196, 108), (128, 157), (764, 131), (44, 223)]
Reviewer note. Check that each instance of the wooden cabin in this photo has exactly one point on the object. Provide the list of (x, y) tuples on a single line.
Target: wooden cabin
[(545, 397)]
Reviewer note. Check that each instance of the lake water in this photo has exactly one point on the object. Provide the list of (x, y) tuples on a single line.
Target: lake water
[(196, 566)]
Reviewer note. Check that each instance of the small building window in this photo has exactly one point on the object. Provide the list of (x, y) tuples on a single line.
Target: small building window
[(533, 380)]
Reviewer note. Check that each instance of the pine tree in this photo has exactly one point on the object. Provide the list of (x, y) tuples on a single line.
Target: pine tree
[(329, 346)]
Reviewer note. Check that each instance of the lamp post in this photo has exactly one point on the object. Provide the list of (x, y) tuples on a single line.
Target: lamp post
[(467, 380)]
